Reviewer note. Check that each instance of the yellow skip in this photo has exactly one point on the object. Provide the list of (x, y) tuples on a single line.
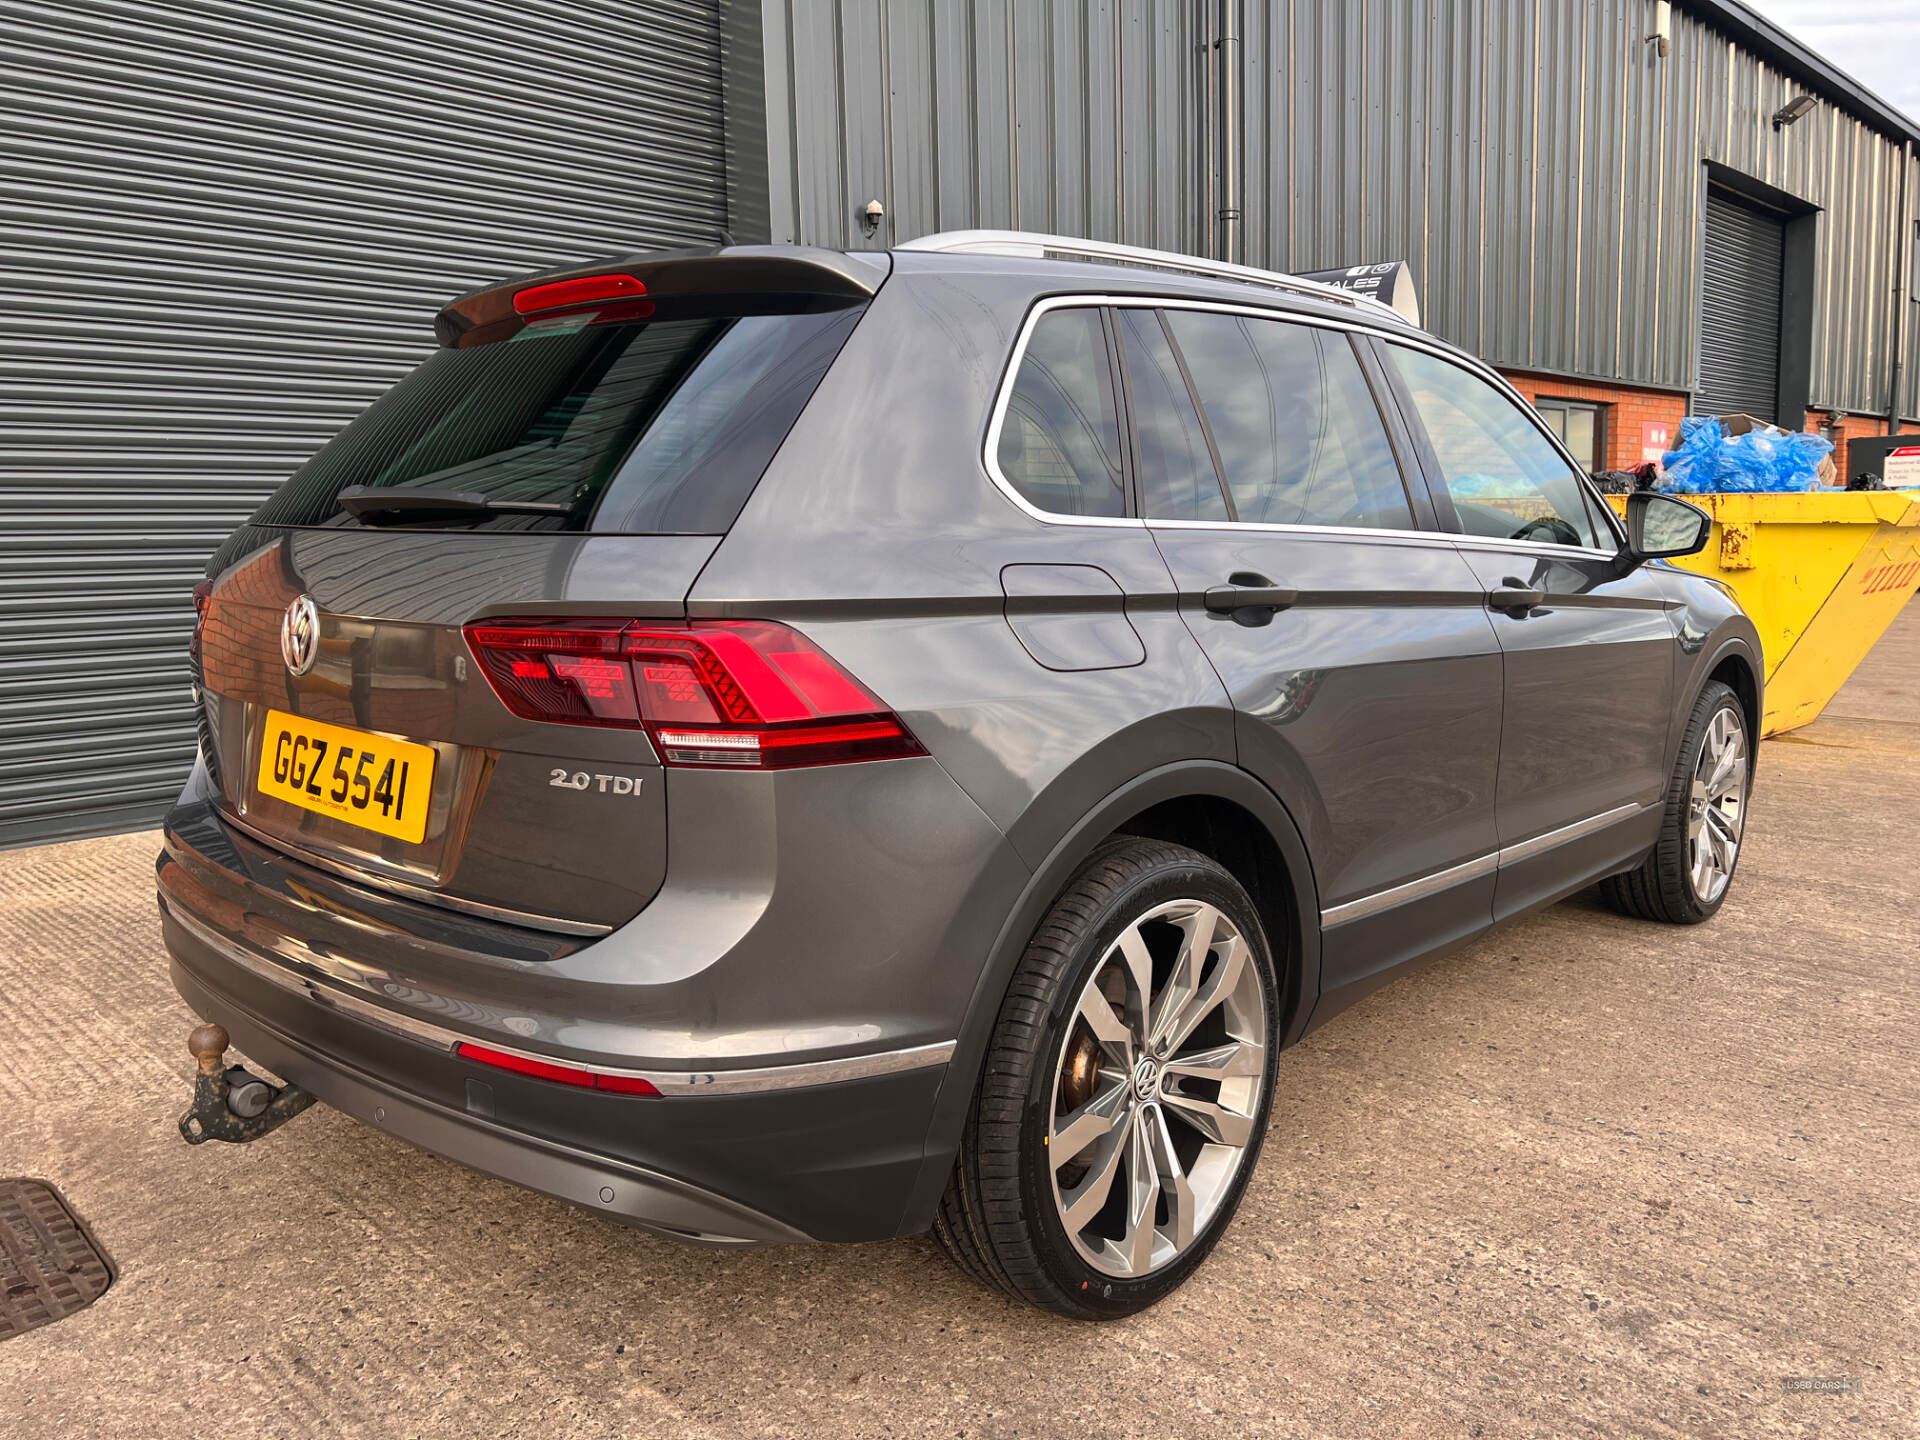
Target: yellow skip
[(1821, 574)]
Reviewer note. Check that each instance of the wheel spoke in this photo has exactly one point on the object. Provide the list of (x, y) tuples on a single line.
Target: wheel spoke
[(1222, 983), (1213, 1120), (1108, 1028), (1139, 964), (1093, 1120), (1174, 1184), (1085, 1200), (1143, 1189), (1179, 992), (1221, 1062)]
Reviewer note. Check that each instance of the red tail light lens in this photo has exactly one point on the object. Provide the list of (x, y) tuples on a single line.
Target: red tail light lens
[(552, 1070), (202, 597), (573, 294), (735, 693)]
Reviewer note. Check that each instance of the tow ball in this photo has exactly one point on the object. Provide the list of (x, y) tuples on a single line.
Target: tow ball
[(229, 1102)]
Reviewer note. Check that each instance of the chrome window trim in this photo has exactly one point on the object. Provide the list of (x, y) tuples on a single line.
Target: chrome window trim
[(990, 456), (1481, 865), (404, 889), (288, 968)]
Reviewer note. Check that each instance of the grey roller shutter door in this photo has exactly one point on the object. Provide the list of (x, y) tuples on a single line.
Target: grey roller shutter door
[(1740, 311), (224, 228)]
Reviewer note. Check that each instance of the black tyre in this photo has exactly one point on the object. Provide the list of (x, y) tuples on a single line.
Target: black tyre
[(1126, 1088), (1686, 877)]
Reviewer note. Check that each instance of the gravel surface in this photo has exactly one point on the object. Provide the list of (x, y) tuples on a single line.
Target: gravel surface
[(1587, 1177)]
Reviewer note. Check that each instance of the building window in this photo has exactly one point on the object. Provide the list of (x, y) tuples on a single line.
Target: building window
[(1582, 428)]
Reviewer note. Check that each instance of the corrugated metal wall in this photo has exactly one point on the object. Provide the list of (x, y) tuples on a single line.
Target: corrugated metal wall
[(1543, 170), (1079, 117), (1538, 164), (224, 227)]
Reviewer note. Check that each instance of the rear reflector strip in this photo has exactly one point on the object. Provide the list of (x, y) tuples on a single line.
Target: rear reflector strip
[(548, 1070)]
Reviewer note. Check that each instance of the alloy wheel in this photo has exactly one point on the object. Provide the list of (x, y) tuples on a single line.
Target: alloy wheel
[(1716, 811), (1157, 1088)]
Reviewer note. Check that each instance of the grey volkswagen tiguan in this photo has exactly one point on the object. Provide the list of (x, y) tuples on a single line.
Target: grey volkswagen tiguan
[(772, 744)]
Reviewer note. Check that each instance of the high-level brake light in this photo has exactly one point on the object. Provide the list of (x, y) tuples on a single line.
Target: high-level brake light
[(731, 693), (576, 293)]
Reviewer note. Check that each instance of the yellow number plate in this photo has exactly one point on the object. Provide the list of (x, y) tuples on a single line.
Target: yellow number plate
[(366, 780)]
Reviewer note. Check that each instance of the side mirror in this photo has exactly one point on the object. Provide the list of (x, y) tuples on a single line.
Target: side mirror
[(1662, 526)]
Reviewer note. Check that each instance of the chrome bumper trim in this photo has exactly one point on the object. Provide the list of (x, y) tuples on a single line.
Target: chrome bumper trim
[(324, 980)]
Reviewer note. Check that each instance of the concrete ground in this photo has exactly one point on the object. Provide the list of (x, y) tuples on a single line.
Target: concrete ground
[(1590, 1177)]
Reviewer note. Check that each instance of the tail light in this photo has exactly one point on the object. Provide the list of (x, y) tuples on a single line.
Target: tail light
[(738, 693), (202, 597)]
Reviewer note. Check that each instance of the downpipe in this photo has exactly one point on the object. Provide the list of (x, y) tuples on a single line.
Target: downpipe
[(231, 1103)]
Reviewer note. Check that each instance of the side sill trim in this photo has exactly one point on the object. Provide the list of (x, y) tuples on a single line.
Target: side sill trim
[(1413, 890), (285, 971), (1540, 844), (1474, 869)]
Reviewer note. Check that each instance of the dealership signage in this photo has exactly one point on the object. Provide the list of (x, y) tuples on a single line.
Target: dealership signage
[(1390, 282)]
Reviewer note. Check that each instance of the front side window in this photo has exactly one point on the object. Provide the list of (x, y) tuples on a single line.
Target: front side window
[(1060, 440), (1294, 421), (1506, 480)]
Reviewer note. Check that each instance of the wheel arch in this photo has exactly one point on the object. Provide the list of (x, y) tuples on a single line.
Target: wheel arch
[(1733, 665), (1206, 805)]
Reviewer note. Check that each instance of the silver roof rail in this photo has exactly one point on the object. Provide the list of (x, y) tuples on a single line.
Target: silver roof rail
[(1036, 246)]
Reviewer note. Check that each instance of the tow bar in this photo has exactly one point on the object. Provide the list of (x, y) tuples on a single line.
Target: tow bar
[(229, 1102)]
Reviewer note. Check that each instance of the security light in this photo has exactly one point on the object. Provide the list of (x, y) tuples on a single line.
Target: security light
[(1793, 110)]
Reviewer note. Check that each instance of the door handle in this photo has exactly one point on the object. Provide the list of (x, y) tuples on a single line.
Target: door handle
[(1516, 595), (1246, 592)]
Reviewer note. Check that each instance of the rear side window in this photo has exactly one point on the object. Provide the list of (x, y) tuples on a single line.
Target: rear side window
[(1294, 422), (1177, 478), (1506, 480), (1060, 439), (654, 425)]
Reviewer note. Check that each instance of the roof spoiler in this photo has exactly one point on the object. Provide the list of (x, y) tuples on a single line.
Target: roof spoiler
[(666, 274)]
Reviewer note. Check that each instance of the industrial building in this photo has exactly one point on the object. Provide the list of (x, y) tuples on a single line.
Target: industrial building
[(228, 224)]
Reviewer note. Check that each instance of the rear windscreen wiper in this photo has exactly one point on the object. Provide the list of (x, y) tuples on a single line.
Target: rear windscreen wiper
[(374, 505)]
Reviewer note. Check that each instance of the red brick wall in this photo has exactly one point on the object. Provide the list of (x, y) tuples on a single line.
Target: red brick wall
[(1627, 408), (1852, 427)]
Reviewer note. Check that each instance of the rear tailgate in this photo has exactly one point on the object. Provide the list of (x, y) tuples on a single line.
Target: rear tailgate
[(572, 452), (559, 823)]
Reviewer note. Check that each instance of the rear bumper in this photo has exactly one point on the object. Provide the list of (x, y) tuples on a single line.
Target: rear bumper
[(360, 998), (816, 1162), (625, 1192)]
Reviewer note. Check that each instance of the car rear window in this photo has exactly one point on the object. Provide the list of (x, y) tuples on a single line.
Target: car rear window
[(655, 425)]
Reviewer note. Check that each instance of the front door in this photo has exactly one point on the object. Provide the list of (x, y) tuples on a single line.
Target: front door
[(1590, 653), (1354, 640)]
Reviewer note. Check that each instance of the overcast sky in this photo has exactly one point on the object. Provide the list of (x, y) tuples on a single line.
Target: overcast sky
[(1877, 42)]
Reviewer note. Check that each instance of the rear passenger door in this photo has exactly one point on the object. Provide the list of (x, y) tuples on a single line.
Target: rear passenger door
[(1353, 639), (1590, 653)]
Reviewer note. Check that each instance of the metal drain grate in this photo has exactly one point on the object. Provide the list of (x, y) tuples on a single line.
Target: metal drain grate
[(50, 1265)]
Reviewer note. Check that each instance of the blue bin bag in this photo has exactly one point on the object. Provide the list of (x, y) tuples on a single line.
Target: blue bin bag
[(1710, 461)]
